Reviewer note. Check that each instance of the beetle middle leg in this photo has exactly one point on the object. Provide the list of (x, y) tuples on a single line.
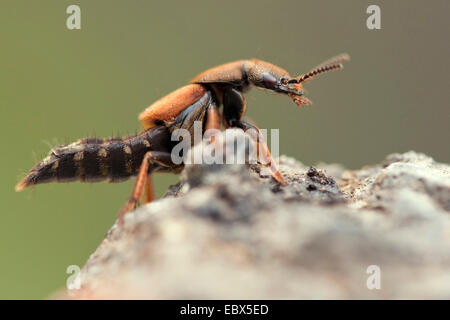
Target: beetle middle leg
[(212, 118)]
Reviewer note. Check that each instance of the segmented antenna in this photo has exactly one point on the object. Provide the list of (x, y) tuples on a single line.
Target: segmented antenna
[(335, 60), (334, 63), (318, 71)]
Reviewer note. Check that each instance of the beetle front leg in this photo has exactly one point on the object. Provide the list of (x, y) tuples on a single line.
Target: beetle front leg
[(234, 107), (262, 149)]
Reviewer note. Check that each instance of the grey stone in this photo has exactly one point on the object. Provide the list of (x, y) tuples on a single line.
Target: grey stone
[(231, 232)]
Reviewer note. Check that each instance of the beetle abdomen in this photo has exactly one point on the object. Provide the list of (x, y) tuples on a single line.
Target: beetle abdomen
[(92, 159)]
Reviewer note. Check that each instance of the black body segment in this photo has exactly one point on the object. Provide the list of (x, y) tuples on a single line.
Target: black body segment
[(92, 159), (116, 161)]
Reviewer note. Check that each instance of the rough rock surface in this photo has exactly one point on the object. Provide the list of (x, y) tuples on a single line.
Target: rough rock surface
[(230, 232)]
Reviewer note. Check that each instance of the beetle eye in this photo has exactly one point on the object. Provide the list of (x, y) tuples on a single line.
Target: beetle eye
[(284, 81)]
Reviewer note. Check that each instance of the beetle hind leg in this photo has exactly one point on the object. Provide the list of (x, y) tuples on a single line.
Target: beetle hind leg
[(149, 191), (151, 160)]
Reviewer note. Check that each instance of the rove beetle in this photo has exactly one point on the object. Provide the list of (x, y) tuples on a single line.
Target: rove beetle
[(117, 159)]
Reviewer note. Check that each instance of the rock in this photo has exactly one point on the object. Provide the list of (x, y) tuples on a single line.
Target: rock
[(231, 232)]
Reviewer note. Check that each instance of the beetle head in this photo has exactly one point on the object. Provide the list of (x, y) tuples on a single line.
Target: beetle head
[(293, 86), (282, 83)]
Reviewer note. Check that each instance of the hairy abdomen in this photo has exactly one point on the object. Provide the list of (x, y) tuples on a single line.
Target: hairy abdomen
[(91, 159)]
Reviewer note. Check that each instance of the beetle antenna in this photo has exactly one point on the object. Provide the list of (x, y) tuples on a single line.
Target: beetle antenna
[(314, 72), (334, 63), (344, 57)]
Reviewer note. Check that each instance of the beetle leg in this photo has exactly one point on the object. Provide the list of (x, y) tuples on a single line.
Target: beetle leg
[(234, 107), (154, 158), (149, 191), (213, 122), (212, 118), (263, 150)]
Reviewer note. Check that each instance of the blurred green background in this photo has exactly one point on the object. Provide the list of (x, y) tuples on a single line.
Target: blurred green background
[(58, 85)]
